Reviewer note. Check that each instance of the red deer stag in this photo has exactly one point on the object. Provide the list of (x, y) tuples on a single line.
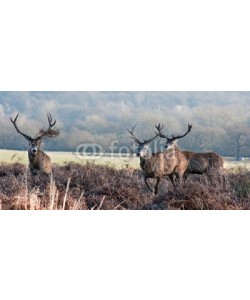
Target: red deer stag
[(157, 165), (198, 163), (38, 160)]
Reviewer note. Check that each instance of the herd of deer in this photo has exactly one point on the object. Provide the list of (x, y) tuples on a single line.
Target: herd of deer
[(173, 162)]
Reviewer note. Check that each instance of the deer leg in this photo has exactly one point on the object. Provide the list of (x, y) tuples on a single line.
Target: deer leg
[(180, 179), (185, 176), (157, 185), (147, 183), (172, 178)]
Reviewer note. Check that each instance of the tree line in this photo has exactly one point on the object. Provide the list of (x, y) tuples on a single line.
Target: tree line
[(218, 125)]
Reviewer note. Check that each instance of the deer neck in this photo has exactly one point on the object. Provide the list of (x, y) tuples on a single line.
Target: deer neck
[(146, 163), (34, 157), (173, 149), (142, 162)]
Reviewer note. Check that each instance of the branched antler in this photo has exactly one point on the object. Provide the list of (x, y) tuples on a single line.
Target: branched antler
[(28, 138), (48, 132), (132, 134), (159, 131), (162, 135), (136, 140), (181, 136)]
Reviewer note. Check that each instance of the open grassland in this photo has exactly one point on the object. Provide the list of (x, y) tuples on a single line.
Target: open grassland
[(60, 158), (90, 186)]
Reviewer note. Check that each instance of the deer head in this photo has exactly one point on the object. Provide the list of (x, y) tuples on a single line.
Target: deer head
[(171, 142), (35, 143), (143, 149)]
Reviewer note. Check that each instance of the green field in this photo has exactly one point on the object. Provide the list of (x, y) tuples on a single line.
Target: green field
[(13, 156), (60, 158)]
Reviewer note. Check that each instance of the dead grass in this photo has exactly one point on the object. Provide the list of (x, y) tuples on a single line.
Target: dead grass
[(89, 186)]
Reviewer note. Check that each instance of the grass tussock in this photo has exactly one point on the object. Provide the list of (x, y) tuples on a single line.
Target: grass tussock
[(87, 187)]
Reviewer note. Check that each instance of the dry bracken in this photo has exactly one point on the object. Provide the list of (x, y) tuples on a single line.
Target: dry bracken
[(90, 186)]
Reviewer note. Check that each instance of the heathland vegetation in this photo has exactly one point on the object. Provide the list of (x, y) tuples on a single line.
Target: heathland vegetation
[(90, 186)]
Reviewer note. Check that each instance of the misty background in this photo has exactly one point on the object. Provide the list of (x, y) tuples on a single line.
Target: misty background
[(221, 120)]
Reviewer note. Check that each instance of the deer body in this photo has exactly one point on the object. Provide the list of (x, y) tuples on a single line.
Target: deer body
[(163, 163), (170, 163), (38, 160), (200, 163), (155, 167)]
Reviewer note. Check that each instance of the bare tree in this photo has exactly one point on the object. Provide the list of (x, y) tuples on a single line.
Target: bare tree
[(239, 138)]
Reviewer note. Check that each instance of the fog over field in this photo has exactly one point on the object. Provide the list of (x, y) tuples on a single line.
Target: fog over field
[(221, 120)]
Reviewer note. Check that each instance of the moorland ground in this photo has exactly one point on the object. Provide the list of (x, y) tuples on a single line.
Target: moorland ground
[(115, 183)]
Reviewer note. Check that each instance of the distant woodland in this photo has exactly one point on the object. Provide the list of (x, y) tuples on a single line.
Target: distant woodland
[(221, 120)]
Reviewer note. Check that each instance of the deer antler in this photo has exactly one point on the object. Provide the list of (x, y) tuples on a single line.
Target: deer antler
[(132, 134), (159, 129), (181, 136), (136, 140), (28, 138), (149, 141), (50, 121), (48, 132)]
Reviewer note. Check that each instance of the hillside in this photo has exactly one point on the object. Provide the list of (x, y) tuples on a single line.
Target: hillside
[(218, 118)]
